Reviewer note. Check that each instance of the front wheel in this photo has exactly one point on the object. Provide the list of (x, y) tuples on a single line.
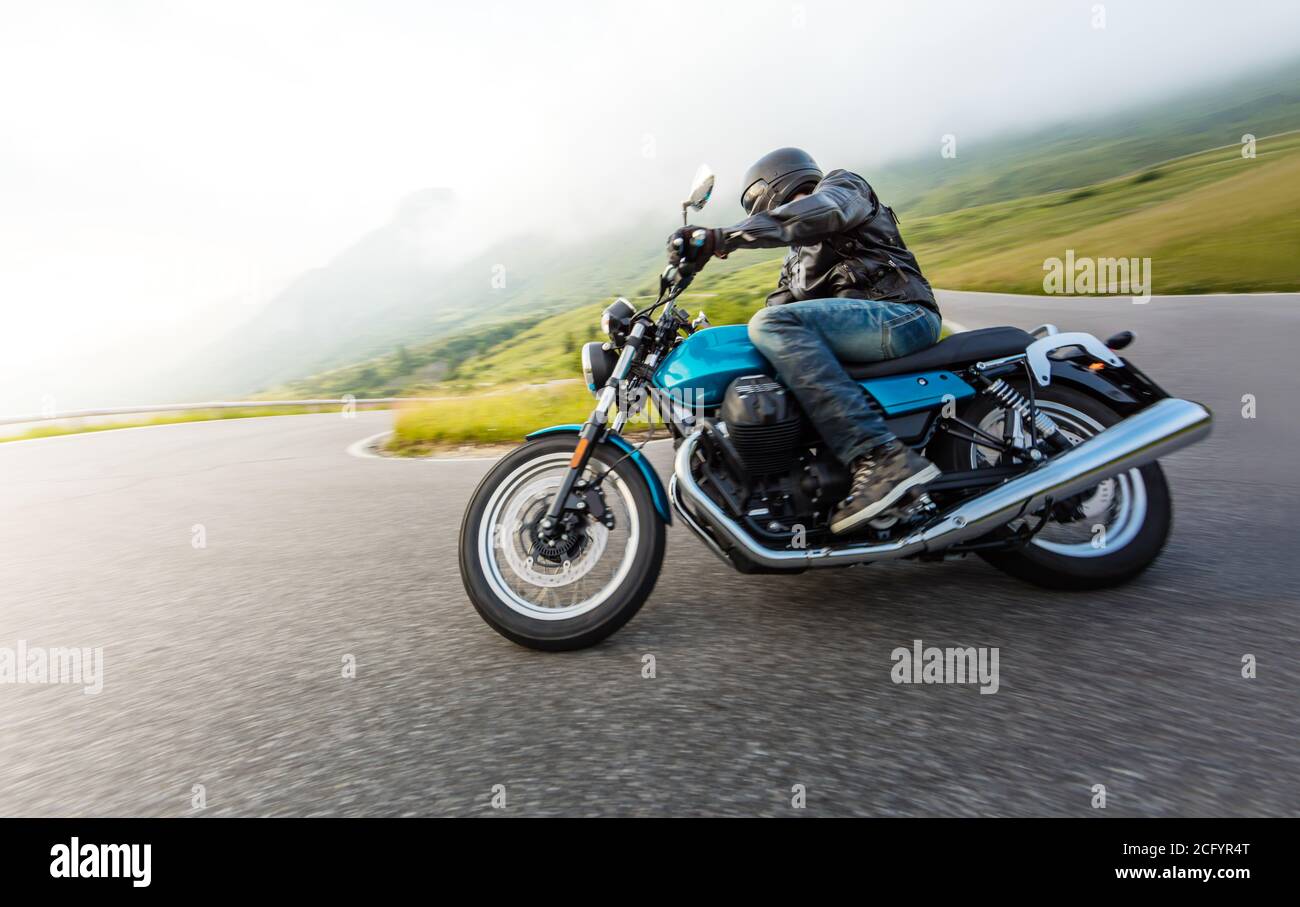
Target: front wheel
[(1115, 530), (568, 592)]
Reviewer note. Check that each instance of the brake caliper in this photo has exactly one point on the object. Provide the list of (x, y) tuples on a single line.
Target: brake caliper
[(590, 500)]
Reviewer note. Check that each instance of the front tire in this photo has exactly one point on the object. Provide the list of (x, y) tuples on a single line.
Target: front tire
[(570, 598), (1126, 520)]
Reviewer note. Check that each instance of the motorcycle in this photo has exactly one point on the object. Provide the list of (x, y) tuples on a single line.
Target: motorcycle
[(1048, 443)]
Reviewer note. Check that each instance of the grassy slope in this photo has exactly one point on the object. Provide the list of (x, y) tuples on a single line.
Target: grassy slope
[(1076, 153), (544, 278), (1211, 222), (485, 419)]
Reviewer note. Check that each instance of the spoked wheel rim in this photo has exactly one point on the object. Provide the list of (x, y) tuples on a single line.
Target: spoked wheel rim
[(1118, 505), (566, 579)]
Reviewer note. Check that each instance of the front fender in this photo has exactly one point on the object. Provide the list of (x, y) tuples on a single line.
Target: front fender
[(657, 493)]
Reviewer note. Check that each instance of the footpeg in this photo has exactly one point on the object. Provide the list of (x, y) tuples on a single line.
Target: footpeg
[(917, 506)]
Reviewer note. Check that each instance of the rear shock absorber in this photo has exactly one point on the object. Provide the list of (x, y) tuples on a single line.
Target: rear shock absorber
[(1045, 425)]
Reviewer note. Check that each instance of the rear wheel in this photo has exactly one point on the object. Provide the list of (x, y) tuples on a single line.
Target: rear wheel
[(1117, 528), (569, 592)]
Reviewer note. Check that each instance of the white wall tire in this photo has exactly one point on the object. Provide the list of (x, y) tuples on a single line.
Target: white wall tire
[(558, 602)]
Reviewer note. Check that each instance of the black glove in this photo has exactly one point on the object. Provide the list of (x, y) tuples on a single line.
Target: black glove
[(686, 247)]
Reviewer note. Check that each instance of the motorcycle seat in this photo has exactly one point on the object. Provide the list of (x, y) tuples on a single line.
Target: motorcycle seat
[(951, 352)]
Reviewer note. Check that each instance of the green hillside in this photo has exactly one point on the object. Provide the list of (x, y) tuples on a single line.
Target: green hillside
[(1210, 223), (1074, 153)]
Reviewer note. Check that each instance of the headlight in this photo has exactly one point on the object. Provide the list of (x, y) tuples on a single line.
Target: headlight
[(597, 365), (616, 320)]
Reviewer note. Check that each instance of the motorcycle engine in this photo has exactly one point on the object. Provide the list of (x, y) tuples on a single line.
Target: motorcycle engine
[(781, 482), (770, 470), (764, 423)]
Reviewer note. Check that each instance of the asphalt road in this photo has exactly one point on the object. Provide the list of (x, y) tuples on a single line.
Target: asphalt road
[(223, 664)]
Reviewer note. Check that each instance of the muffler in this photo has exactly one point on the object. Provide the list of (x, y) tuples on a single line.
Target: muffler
[(1146, 436)]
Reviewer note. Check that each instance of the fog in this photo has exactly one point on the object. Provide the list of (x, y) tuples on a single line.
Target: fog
[(166, 167)]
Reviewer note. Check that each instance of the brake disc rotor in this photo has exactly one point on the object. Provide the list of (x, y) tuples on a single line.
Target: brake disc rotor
[(533, 558), (552, 551)]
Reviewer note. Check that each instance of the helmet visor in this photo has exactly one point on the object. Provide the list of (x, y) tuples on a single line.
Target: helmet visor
[(752, 195)]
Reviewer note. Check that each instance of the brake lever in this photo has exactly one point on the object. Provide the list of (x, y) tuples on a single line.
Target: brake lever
[(676, 278)]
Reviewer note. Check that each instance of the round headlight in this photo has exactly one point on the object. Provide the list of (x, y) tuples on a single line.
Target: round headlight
[(597, 365), (616, 320)]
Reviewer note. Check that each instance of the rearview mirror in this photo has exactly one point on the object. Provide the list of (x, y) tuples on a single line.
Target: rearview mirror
[(701, 189)]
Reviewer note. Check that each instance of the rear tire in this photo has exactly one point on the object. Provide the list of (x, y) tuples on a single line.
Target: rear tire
[(1139, 498), (522, 595)]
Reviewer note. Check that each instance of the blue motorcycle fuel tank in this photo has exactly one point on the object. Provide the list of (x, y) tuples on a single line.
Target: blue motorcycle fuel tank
[(698, 371)]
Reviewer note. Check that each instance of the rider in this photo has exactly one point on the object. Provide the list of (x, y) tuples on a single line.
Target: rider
[(849, 290)]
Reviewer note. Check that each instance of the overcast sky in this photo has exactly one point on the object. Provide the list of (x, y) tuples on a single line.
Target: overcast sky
[(169, 165)]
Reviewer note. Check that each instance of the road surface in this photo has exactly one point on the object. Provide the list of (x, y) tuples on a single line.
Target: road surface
[(224, 663)]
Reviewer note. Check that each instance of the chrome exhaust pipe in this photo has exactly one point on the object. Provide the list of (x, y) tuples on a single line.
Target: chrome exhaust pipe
[(1142, 438)]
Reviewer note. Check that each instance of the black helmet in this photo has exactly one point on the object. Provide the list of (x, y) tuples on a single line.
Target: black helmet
[(776, 177)]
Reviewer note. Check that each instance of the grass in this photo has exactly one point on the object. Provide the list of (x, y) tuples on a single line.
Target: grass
[(199, 415), (486, 419), (1211, 222)]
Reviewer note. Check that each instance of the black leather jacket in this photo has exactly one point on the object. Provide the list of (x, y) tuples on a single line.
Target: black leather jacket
[(843, 242)]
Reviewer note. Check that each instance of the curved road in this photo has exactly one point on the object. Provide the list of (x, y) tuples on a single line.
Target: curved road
[(223, 664)]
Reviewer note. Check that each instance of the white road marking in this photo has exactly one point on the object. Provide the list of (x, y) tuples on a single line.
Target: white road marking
[(363, 450)]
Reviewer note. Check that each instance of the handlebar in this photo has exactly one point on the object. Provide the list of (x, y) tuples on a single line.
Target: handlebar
[(675, 278)]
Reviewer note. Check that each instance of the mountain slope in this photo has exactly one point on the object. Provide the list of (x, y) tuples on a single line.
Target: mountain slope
[(1070, 154)]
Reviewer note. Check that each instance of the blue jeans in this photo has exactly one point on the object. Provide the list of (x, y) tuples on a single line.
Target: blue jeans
[(805, 342)]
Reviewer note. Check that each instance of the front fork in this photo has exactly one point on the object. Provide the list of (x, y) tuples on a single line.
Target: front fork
[(592, 433)]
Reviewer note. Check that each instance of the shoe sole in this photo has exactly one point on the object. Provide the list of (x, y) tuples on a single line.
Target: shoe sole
[(929, 474)]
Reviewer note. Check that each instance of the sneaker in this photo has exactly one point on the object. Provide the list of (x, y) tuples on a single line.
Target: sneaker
[(882, 478)]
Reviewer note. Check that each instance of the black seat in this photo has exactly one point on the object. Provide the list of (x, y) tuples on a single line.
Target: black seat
[(957, 350)]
